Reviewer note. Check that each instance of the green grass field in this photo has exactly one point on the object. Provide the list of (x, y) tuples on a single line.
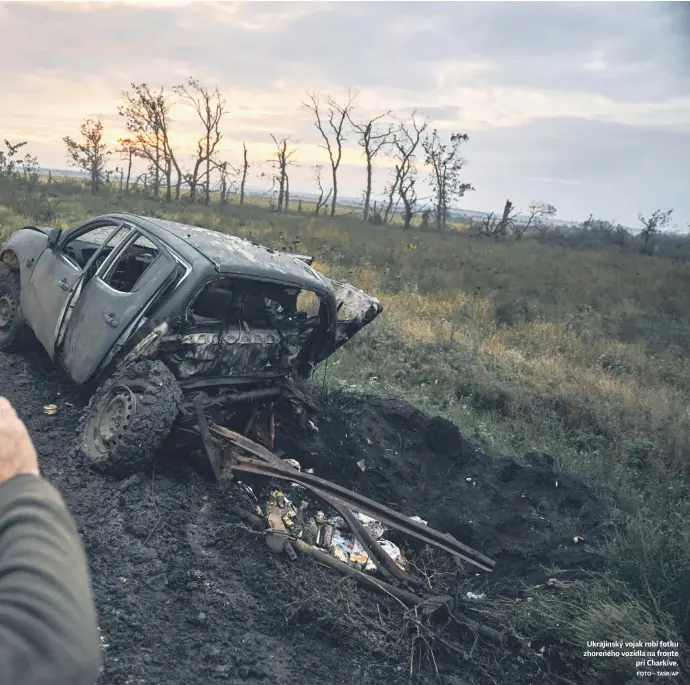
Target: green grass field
[(530, 347)]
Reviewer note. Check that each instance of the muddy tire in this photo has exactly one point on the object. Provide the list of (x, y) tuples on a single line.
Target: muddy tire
[(129, 417), (11, 319)]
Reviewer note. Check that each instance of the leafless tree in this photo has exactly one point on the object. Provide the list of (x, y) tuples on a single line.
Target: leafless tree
[(91, 154), (507, 221), (538, 212), (282, 159), (330, 122), (653, 224), (227, 179), (446, 164), (245, 170), (147, 116), (322, 201), (210, 107), (128, 150), (488, 225), (499, 226), (372, 140), (405, 142)]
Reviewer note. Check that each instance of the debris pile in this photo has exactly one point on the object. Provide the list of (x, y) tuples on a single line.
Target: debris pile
[(304, 521)]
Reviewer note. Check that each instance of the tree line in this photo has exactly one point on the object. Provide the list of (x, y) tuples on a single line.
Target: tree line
[(409, 143), (147, 117)]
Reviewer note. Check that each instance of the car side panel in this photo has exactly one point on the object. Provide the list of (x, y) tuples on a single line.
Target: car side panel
[(28, 244)]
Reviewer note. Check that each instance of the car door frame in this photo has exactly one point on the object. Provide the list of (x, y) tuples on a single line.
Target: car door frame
[(59, 255), (79, 285), (101, 273)]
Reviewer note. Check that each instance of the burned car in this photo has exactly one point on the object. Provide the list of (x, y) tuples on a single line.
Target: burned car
[(151, 316)]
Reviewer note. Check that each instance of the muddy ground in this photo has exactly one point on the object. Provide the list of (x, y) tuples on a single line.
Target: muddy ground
[(186, 596)]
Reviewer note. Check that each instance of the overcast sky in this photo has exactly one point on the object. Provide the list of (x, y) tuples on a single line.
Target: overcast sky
[(583, 105)]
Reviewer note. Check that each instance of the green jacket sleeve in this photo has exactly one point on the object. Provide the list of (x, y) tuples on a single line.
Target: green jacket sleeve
[(48, 630)]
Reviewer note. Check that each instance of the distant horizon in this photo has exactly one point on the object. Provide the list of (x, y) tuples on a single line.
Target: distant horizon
[(343, 199), (592, 124)]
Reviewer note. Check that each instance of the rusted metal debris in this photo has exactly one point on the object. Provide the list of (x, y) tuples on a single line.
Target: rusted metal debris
[(342, 499), (224, 448)]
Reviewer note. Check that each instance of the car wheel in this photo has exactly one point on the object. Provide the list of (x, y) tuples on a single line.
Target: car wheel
[(11, 319), (129, 417)]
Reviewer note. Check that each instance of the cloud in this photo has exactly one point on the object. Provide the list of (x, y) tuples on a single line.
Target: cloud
[(562, 101)]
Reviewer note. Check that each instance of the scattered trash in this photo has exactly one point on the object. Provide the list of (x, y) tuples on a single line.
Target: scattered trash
[(469, 480), (362, 465), (554, 582), (313, 427), (474, 595), (294, 463), (359, 556), (324, 539), (578, 540), (419, 519), (50, 409), (372, 525), (393, 551)]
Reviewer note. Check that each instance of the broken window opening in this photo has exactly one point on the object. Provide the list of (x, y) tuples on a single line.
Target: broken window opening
[(81, 249), (129, 270), (237, 300)]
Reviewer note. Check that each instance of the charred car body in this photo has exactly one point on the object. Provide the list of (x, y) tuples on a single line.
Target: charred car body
[(152, 313)]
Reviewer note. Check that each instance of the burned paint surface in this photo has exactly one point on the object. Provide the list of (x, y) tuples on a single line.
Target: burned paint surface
[(278, 340), (356, 309), (232, 254)]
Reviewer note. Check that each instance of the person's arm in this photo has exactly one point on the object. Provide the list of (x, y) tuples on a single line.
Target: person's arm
[(48, 630)]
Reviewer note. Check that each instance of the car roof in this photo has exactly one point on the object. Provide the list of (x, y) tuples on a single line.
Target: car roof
[(234, 255)]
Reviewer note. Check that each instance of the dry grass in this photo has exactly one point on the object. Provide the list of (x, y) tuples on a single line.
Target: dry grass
[(582, 354)]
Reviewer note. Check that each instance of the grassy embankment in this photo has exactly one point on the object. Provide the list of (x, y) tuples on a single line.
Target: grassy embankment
[(581, 354)]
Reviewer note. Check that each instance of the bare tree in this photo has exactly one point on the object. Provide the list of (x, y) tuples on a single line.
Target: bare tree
[(128, 150), (210, 107), (538, 212), (321, 202), (372, 141), (655, 223), (507, 221), (405, 142), (446, 164), (245, 170), (498, 226), (280, 163), (408, 195), (330, 122), (227, 179), (488, 225), (147, 118), (91, 153)]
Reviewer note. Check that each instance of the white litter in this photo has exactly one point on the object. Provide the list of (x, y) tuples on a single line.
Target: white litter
[(474, 595)]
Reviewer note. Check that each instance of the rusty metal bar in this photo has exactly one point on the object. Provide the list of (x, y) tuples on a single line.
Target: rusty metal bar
[(276, 467), (370, 545), (380, 586), (214, 455), (367, 506)]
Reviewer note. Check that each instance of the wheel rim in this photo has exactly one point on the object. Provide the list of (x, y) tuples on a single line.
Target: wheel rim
[(114, 418), (8, 312)]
